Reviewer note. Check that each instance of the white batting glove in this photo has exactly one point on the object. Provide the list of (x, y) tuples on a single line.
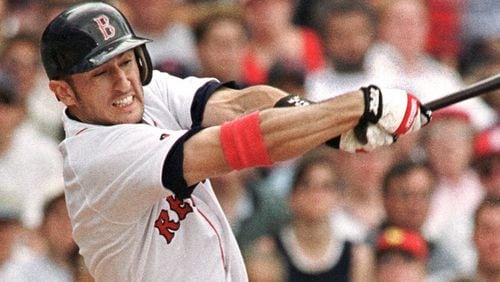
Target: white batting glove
[(375, 137), (393, 110)]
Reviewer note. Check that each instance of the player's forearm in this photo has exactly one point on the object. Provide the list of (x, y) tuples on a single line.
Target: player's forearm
[(228, 104), (289, 132)]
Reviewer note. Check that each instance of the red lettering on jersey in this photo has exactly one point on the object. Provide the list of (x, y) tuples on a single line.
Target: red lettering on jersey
[(180, 207), (166, 226), (108, 31)]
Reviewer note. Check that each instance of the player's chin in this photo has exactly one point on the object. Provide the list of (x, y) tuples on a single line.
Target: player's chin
[(131, 116)]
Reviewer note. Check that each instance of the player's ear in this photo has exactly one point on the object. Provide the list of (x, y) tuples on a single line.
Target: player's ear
[(63, 91)]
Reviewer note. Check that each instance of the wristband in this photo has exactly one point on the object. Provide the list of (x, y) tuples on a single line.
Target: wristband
[(373, 104), (292, 101), (243, 144), (371, 114)]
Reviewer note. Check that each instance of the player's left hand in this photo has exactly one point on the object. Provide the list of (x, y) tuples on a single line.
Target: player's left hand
[(394, 111), (375, 137)]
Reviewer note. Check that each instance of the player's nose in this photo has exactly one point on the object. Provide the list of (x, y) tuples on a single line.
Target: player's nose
[(121, 81)]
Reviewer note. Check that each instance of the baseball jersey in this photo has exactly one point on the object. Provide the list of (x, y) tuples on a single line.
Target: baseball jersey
[(129, 227)]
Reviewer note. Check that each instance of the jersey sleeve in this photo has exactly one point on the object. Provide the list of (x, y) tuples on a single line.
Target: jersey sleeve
[(118, 169), (183, 99)]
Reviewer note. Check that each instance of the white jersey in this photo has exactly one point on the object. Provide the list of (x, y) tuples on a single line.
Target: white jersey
[(127, 225)]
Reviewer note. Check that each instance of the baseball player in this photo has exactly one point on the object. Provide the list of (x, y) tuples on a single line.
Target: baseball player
[(141, 144)]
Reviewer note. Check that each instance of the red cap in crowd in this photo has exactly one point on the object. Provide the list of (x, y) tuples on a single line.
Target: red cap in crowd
[(487, 142), (394, 238), (453, 112)]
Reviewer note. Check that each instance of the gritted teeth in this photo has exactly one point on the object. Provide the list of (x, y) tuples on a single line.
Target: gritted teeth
[(124, 101)]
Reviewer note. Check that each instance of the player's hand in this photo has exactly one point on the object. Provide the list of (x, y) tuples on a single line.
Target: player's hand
[(392, 110), (375, 137)]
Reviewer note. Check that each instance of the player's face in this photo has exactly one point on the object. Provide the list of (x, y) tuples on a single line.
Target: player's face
[(109, 94)]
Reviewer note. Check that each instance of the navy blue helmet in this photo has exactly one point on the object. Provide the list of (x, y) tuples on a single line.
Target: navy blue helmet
[(86, 36)]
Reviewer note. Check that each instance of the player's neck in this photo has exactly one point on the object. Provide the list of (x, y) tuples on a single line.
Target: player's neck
[(72, 116), (5, 142)]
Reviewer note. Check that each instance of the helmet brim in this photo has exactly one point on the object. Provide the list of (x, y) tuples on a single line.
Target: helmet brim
[(108, 52)]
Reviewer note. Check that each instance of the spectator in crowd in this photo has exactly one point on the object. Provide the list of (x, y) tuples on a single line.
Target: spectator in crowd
[(173, 47), (407, 192), (19, 17), (486, 241), (10, 231), (29, 162), (51, 8), (306, 12), (487, 159), (274, 37), (401, 58), (21, 60), (448, 142), (220, 44), (361, 177), (480, 33), (347, 29), (264, 263), (4, 27), (309, 247), (289, 77), (58, 262), (483, 71), (444, 39), (480, 19), (401, 256)]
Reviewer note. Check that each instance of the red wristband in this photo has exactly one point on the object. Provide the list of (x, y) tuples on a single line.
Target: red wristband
[(243, 144)]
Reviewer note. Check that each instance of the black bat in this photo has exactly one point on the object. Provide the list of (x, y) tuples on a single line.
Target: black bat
[(473, 90)]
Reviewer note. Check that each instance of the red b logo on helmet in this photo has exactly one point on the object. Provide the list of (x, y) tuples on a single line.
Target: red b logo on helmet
[(107, 30)]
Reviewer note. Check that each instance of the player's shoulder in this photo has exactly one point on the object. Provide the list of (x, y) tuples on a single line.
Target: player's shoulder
[(163, 81)]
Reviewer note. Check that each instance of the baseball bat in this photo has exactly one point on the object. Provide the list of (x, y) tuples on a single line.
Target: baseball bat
[(473, 90)]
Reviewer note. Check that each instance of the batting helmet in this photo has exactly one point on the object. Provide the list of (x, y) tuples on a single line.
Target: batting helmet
[(86, 36)]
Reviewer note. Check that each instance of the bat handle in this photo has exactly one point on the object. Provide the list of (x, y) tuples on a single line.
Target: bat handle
[(480, 87)]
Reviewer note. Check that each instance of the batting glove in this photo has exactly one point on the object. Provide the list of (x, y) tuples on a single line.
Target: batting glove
[(375, 137), (392, 110)]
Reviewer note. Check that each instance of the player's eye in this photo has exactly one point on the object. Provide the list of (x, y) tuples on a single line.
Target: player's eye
[(99, 73), (127, 62)]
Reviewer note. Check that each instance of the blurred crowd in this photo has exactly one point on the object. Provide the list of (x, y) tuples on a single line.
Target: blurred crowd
[(425, 209)]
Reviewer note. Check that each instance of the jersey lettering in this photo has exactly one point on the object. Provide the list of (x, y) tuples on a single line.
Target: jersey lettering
[(167, 226), (179, 207), (108, 31)]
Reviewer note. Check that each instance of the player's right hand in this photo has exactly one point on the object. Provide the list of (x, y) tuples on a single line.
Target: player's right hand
[(394, 111)]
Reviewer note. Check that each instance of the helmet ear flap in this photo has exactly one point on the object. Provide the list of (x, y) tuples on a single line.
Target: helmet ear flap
[(144, 63)]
